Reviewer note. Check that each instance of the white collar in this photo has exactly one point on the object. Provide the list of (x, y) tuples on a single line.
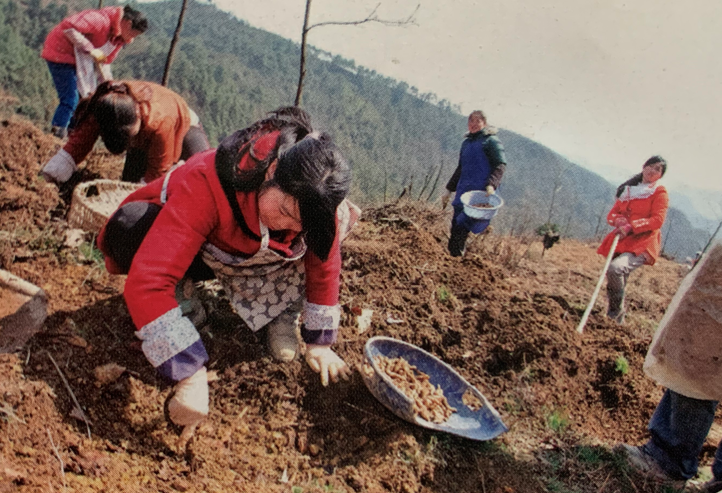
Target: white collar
[(641, 191)]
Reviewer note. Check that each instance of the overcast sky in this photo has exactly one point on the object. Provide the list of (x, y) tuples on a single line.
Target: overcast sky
[(606, 83)]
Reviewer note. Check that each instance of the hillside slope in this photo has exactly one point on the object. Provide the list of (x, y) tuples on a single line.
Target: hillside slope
[(395, 137), (503, 316)]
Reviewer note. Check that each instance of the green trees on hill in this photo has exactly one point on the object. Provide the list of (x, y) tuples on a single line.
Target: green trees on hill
[(395, 138)]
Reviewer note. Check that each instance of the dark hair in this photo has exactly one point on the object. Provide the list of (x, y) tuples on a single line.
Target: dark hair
[(294, 124), (137, 19), (314, 172), (479, 114), (114, 108), (637, 179)]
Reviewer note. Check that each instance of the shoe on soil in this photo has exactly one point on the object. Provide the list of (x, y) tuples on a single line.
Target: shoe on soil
[(59, 132), (645, 465), (618, 318), (282, 338), (711, 486)]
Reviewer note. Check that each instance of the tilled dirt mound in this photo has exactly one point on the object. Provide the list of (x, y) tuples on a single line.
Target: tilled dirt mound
[(503, 316)]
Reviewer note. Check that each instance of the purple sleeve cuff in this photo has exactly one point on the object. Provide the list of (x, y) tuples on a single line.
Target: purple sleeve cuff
[(318, 337), (186, 363)]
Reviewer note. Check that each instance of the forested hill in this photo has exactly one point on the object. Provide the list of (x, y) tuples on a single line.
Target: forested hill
[(394, 137)]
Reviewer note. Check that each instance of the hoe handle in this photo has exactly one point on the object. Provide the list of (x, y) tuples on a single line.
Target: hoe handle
[(583, 322)]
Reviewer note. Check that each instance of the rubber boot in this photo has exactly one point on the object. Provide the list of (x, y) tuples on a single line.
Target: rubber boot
[(615, 310), (190, 305), (59, 132), (282, 335)]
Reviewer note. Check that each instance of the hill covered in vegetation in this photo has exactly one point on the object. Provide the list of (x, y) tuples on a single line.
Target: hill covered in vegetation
[(395, 138)]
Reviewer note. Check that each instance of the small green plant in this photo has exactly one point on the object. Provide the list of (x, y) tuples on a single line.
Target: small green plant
[(558, 421), (443, 294), (592, 456), (545, 228), (89, 251), (296, 489), (621, 364)]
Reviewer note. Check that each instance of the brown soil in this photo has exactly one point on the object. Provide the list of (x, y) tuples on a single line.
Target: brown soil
[(504, 317), (10, 301)]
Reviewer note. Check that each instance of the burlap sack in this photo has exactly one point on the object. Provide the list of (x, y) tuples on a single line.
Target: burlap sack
[(686, 351)]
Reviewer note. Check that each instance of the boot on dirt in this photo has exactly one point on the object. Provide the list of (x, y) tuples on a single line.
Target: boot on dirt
[(642, 463), (282, 335), (190, 305), (59, 132), (616, 310)]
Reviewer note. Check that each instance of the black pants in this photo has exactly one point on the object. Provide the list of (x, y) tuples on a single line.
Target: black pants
[(136, 160), (126, 230), (457, 240)]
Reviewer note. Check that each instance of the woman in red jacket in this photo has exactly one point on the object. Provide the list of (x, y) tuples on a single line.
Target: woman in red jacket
[(152, 123), (260, 213), (95, 34), (637, 217)]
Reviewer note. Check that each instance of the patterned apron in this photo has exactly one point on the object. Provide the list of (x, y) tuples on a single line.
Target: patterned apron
[(262, 286)]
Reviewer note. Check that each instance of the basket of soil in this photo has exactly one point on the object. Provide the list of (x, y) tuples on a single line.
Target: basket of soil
[(479, 205), (95, 201), (423, 390), (23, 309)]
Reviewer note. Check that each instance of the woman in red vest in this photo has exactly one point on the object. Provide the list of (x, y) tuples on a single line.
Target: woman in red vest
[(637, 217)]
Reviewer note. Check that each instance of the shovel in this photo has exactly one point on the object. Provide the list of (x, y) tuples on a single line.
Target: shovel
[(583, 322)]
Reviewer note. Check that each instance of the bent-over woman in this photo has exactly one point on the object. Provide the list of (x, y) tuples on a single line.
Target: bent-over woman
[(152, 123), (264, 213), (637, 217)]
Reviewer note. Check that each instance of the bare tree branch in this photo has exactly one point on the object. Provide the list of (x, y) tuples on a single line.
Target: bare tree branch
[(173, 42), (372, 17)]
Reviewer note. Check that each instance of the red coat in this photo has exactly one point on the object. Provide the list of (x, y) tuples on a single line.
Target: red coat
[(197, 211), (165, 120), (646, 215), (99, 26)]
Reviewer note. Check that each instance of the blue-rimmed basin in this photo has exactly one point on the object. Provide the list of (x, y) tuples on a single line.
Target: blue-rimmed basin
[(482, 424)]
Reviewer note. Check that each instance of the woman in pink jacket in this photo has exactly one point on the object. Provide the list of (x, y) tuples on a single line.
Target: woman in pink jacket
[(98, 34)]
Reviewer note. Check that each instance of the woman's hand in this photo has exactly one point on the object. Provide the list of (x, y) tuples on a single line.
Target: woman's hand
[(623, 231), (620, 221), (98, 55), (323, 360)]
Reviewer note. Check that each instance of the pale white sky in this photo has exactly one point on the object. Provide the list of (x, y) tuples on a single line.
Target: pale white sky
[(606, 83)]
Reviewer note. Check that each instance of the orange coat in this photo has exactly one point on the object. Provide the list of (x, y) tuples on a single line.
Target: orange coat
[(165, 120), (646, 215)]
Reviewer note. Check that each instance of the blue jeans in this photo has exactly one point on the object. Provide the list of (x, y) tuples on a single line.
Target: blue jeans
[(679, 428), (66, 84)]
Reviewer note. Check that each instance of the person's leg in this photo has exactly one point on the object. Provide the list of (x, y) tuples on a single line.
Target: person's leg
[(136, 162), (195, 141), (66, 85), (617, 275), (679, 428), (458, 236), (126, 230)]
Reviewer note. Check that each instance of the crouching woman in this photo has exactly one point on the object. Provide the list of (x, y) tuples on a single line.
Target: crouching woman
[(264, 213)]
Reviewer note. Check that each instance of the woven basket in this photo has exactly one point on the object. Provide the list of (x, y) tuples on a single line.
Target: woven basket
[(95, 201)]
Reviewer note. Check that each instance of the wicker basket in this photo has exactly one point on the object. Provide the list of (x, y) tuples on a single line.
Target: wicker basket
[(95, 201)]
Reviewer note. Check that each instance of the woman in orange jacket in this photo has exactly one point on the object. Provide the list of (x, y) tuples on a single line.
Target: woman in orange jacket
[(637, 218), (152, 123)]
